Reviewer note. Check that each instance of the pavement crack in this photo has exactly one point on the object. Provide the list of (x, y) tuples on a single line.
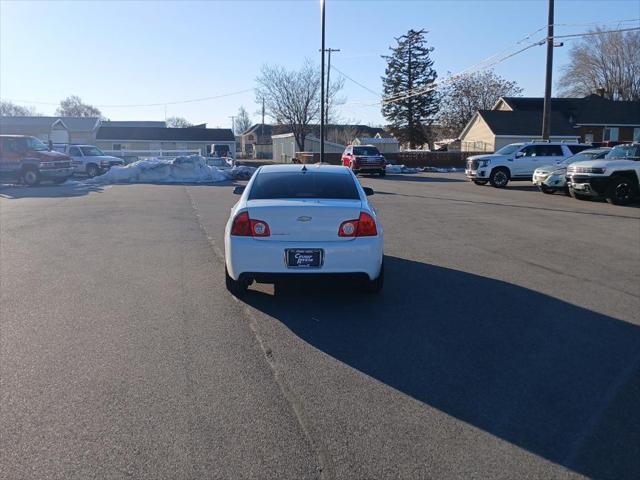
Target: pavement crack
[(325, 467)]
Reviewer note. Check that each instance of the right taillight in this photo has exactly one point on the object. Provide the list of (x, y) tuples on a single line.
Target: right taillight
[(364, 226), (243, 226)]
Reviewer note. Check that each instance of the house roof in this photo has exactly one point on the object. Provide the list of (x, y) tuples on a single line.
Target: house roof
[(166, 134), (76, 124), (133, 123), (524, 122), (592, 109), (377, 140)]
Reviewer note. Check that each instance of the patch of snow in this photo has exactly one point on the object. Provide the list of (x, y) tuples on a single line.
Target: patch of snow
[(401, 169), (442, 170), (191, 169)]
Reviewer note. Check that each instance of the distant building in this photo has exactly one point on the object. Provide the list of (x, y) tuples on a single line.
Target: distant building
[(133, 123), (285, 147), (154, 138), (56, 129), (592, 119), (383, 144)]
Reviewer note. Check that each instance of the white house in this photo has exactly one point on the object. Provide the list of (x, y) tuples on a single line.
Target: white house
[(383, 144), (56, 129)]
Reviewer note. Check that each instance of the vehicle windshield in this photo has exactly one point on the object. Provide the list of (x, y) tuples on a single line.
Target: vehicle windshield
[(365, 151), (630, 152), (508, 149), (35, 144), (582, 156), (92, 152), (271, 185)]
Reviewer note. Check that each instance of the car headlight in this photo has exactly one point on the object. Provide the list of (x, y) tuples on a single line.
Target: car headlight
[(483, 163)]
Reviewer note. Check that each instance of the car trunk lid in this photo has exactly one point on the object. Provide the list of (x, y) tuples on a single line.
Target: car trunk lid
[(304, 220)]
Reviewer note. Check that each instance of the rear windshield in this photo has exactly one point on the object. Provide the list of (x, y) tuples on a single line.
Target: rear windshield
[(303, 185), (365, 151)]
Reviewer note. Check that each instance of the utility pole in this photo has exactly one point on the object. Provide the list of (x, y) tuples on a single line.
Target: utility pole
[(233, 123), (322, 49), (326, 113), (262, 124), (546, 112)]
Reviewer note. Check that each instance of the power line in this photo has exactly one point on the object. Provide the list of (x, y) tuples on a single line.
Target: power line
[(586, 34), (354, 81), (159, 104)]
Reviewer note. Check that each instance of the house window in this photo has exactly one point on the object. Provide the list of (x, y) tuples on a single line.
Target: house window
[(611, 134), (588, 138), (636, 134), (116, 146)]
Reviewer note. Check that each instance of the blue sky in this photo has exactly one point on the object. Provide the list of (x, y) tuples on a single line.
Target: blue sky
[(127, 52)]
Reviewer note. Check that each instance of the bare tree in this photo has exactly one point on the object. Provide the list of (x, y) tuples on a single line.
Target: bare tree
[(293, 97), (10, 109), (73, 106), (466, 94), (243, 121), (607, 62), (177, 122)]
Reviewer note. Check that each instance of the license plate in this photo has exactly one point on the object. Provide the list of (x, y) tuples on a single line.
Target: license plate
[(304, 258)]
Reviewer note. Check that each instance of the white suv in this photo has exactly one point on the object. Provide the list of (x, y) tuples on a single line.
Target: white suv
[(517, 161)]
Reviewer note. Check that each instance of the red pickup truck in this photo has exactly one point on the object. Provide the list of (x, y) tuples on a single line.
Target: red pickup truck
[(26, 159)]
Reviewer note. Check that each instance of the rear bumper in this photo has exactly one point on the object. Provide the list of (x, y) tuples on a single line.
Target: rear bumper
[(264, 260)]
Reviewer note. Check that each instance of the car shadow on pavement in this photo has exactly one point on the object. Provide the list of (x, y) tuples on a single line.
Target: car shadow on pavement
[(551, 377), (75, 189)]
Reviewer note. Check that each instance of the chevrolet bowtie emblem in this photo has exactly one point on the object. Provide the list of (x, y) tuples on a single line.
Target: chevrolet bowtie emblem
[(304, 218)]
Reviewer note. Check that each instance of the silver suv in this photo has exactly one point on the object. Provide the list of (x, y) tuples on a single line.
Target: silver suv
[(517, 161)]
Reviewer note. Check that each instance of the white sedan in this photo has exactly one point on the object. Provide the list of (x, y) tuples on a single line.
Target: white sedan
[(303, 220)]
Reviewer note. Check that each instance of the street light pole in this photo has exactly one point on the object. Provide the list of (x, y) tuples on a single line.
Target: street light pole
[(546, 112), (322, 104)]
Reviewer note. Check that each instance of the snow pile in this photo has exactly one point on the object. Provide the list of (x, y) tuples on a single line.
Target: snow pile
[(401, 169), (442, 170), (192, 169)]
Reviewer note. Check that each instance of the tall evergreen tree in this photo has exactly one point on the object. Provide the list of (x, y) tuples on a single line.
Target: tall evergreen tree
[(410, 103)]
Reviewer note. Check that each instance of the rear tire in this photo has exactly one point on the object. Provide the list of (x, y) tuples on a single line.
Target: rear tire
[(375, 286), (480, 182), (383, 172), (31, 177), (499, 178), (621, 191), (237, 288)]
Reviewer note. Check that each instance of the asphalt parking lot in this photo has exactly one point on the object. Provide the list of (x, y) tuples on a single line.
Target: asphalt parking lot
[(506, 343)]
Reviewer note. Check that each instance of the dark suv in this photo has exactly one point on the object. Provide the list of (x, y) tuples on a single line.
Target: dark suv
[(26, 159)]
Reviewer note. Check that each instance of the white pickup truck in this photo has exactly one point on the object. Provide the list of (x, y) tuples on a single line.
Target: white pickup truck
[(88, 159)]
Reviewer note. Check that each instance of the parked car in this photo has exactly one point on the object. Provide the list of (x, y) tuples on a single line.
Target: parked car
[(88, 159), (297, 221), (616, 177), (364, 159), (552, 178), (517, 161), (26, 159)]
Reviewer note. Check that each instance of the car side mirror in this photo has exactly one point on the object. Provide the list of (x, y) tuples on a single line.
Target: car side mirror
[(239, 190), (368, 191), (519, 154), (348, 154)]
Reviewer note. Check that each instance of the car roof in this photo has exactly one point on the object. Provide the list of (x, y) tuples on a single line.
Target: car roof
[(310, 168), (15, 136)]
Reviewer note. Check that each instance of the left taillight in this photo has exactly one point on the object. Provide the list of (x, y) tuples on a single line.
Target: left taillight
[(364, 226), (243, 226)]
